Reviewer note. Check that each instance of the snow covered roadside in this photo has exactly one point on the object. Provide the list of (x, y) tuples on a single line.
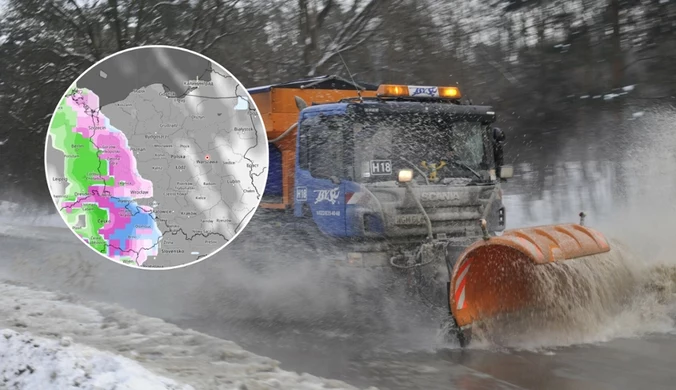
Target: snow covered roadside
[(16, 214), (20, 221), (36, 363), (114, 345)]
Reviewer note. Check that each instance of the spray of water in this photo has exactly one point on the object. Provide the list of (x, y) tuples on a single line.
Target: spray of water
[(266, 278), (589, 300), (629, 292)]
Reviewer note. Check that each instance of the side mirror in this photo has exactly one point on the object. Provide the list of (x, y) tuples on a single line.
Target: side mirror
[(498, 147), (499, 135), (300, 103), (506, 172)]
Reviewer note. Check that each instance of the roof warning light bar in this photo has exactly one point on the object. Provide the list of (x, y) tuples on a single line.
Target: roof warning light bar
[(392, 90)]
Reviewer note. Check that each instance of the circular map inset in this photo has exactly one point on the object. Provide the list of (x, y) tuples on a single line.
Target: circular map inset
[(156, 157)]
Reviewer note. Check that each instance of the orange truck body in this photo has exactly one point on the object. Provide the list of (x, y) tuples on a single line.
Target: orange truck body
[(278, 109)]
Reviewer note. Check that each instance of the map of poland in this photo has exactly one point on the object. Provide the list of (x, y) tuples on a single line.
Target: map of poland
[(156, 157)]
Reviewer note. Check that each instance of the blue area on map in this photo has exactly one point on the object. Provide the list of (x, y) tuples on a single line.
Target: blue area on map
[(242, 103), (138, 218)]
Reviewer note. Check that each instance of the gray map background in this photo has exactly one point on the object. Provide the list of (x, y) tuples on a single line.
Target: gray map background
[(199, 203), (139, 68)]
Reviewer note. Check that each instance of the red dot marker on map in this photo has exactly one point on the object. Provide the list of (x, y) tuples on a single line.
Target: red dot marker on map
[(206, 157)]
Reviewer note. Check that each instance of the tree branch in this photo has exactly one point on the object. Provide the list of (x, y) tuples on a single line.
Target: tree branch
[(115, 21), (90, 30), (140, 18), (321, 17), (127, 18), (223, 35), (154, 8), (214, 19), (196, 21), (67, 18), (345, 37), (68, 52)]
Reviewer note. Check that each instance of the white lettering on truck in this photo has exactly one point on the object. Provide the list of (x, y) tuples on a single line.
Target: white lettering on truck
[(330, 196), (432, 196)]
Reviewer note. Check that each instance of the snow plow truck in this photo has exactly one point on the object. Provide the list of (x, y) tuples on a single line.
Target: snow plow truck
[(408, 178)]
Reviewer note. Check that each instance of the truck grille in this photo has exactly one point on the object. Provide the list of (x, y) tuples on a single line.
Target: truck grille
[(452, 220), (443, 213)]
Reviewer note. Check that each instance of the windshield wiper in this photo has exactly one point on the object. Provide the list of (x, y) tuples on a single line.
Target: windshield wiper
[(463, 165)]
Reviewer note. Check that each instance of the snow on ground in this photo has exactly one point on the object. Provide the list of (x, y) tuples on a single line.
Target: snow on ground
[(115, 344), (36, 363), (21, 221), (18, 215)]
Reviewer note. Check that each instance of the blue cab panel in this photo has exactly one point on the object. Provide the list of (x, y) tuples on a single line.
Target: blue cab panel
[(337, 209), (324, 199)]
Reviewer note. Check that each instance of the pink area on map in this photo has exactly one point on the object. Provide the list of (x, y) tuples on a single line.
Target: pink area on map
[(144, 247), (114, 146), (122, 167)]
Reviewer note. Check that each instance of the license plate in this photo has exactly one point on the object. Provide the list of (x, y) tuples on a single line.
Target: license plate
[(381, 167), (412, 219)]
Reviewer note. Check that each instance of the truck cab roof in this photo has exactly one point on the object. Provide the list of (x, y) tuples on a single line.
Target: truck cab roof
[(402, 106)]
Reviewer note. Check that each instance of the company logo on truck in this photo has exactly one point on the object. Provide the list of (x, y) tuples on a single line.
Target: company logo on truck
[(424, 91), (330, 196), (432, 196)]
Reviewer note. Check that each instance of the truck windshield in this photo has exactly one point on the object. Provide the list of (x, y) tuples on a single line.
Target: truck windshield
[(441, 147)]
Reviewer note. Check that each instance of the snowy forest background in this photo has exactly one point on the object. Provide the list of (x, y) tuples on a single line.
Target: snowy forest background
[(531, 59)]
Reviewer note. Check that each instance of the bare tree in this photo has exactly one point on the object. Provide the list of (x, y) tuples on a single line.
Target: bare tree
[(349, 30)]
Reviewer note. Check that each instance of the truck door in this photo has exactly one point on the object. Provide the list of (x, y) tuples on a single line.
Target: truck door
[(327, 203), (320, 179)]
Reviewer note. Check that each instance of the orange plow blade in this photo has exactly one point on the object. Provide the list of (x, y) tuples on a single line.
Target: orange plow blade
[(497, 275)]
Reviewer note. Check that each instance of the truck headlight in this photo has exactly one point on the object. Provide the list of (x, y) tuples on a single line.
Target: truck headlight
[(405, 175)]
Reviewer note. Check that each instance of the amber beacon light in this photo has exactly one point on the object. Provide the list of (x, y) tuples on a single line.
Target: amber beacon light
[(418, 91)]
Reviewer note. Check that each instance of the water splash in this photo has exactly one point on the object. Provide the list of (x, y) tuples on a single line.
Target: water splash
[(629, 293), (589, 300)]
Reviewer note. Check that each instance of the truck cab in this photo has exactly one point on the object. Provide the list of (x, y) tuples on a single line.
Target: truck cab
[(397, 164)]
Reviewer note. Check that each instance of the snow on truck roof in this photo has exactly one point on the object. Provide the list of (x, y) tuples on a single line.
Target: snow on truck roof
[(406, 106), (319, 82)]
